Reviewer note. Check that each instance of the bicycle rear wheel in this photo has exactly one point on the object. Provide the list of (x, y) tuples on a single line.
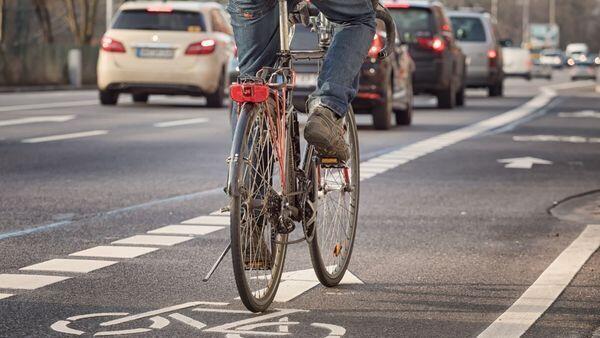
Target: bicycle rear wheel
[(258, 251), (337, 193)]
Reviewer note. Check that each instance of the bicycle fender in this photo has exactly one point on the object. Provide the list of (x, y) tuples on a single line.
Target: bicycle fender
[(236, 148)]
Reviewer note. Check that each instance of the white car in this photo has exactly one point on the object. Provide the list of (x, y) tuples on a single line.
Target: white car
[(173, 48), (517, 62)]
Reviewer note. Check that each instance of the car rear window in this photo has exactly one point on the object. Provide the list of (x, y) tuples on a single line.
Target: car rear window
[(468, 29), (413, 22), (161, 21)]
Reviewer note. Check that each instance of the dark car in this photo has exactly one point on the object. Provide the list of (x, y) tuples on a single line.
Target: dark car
[(385, 85), (440, 63)]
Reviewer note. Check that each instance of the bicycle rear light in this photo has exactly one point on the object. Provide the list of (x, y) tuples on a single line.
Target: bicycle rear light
[(249, 92)]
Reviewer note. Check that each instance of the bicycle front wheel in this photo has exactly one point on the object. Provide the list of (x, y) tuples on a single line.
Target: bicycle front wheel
[(336, 198), (258, 251)]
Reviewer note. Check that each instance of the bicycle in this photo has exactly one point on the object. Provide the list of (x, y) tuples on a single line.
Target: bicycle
[(272, 187)]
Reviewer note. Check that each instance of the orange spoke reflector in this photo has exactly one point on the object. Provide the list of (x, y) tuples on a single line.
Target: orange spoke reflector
[(329, 160), (337, 250)]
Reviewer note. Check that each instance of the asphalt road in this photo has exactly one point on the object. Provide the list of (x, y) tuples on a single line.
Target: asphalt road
[(452, 241)]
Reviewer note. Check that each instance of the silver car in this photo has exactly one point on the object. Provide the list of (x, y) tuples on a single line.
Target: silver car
[(476, 35)]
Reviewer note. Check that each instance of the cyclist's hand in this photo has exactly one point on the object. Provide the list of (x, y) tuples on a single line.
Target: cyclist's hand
[(300, 13)]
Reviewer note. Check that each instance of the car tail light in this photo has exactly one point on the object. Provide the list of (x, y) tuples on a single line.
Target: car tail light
[(160, 9), (492, 57), (376, 46), (112, 45), (201, 48), (436, 44), (397, 5)]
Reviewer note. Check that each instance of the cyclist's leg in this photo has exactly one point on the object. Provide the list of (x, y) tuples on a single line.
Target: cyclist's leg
[(338, 81), (255, 27)]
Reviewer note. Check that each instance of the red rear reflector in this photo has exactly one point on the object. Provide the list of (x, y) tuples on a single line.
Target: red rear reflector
[(250, 92), (112, 45), (159, 9), (201, 48)]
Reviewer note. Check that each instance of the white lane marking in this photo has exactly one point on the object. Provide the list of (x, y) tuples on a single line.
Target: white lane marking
[(114, 251), (186, 230), (208, 220), (187, 320), (27, 282), (523, 162), (5, 295), (546, 289), (49, 105), (422, 148), (181, 122), (65, 136), (335, 331), (36, 119), (153, 240), (583, 113), (69, 265), (555, 138)]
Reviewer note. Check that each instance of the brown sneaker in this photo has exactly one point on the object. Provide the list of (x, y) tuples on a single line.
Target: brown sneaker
[(325, 131)]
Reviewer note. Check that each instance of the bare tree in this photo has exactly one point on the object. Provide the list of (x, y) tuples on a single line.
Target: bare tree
[(43, 16), (81, 18), (2, 4)]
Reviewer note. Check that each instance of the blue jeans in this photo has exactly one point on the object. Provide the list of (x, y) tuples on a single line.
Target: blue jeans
[(256, 29)]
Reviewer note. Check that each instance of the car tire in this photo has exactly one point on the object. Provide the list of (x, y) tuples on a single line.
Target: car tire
[(528, 77), (460, 97), (404, 116), (496, 89), (447, 98), (215, 100), (108, 97), (140, 97), (382, 114)]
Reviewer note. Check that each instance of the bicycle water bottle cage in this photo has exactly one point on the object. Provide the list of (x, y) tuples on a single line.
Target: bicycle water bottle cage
[(249, 92)]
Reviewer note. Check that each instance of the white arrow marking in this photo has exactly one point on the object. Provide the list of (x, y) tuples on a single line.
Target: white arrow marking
[(36, 119), (522, 162), (583, 113)]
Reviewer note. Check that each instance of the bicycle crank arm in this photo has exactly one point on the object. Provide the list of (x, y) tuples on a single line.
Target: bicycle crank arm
[(216, 265)]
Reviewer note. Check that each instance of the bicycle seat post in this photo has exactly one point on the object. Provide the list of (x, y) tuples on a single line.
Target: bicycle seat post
[(284, 27)]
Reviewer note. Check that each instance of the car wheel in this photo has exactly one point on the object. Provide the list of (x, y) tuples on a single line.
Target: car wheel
[(140, 97), (404, 116), (108, 97), (460, 96), (447, 98), (382, 114), (215, 100), (496, 89)]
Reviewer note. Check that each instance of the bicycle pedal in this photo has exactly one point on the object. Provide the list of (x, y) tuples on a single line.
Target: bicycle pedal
[(331, 162)]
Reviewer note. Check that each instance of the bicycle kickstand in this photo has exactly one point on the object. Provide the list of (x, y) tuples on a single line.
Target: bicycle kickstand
[(216, 265)]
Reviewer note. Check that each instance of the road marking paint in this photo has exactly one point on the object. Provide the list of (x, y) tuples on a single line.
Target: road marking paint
[(65, 136), (5, 295), (556, 138), (523, 162), (208, 220), (187, 320), (27, 282), (158, 312), (220, 213), (49, 105), (69, 265), (186, 230), (583, 113), (36, 119), (546, 289), (114, 251), (181, 122), (153, 240)]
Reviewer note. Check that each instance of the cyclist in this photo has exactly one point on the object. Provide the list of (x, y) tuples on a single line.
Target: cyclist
[(255, 25)]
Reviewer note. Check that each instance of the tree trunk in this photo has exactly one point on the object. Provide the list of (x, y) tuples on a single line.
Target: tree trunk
[(43, 16)]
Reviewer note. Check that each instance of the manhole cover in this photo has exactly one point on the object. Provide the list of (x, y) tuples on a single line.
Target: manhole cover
[(582, 209)]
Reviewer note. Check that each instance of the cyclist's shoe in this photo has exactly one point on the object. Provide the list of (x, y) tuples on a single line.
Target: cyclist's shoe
[(257, 255), (325, 131)]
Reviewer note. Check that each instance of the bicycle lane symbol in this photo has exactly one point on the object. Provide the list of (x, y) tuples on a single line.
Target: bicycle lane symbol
[(278, 321)]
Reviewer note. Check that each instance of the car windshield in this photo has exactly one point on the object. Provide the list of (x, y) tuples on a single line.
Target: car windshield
[(468, 29), (160, 21), (413, 23)]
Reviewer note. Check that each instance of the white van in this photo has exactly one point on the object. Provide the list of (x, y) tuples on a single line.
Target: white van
[(517, 62), (576, 48)]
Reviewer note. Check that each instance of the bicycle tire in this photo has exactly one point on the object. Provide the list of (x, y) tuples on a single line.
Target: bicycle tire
[(320, 247), (256, 297)]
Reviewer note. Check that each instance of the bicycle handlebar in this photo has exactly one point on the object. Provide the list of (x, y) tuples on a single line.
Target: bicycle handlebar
[(384, 15)]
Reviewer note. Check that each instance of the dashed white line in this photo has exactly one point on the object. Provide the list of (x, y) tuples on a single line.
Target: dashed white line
[(49, 105), (27, 282), (5, 295), (546, 289), (208, 220), (181, 122), (69, 265), (186, 230), (65, 136), (114, 251), (36, 119), (153, 240)]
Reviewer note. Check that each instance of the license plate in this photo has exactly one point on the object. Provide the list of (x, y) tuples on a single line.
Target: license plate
[(156, 53), (306, 80)]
